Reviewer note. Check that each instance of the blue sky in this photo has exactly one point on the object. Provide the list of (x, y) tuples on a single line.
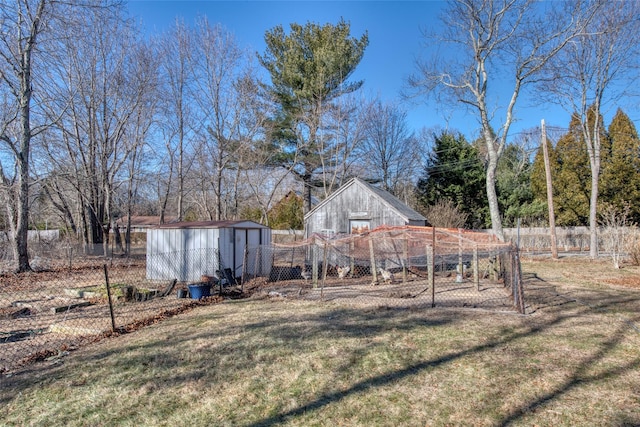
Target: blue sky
[(395, 41)]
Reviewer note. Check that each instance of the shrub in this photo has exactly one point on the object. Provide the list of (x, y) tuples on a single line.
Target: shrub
[(444, 213), (617, 231)]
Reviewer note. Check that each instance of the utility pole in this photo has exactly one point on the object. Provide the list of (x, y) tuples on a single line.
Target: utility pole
[(547, 170)]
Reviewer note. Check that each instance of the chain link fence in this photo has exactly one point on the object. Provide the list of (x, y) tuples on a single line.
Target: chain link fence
[(394, 266), (48, 312), (69, 301)]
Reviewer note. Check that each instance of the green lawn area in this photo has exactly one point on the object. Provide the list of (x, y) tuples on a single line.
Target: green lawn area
[(574, 359)]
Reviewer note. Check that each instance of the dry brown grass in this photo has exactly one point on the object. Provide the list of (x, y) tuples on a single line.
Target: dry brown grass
[(574, 360)]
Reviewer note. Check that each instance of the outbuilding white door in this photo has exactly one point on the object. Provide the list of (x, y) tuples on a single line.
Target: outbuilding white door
[(253, 241), (241, 243)]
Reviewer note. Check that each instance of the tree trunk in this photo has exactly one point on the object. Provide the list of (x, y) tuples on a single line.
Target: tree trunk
[(492, 197), (11, 215), (22, 225), (593, 211), (24, 72)]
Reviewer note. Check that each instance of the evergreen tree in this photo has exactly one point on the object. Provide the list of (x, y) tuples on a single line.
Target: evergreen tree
[(455, 172), (538, 179), (515, 195), (309, 68), (620, 178), (571, 175), (287, 213)]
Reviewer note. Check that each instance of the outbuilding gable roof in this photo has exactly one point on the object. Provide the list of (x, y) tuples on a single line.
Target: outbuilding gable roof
[(384, 196)]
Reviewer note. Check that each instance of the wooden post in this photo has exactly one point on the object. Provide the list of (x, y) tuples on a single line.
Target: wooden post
[(106, 279), (352, 266), (429, 252), (552, 217), (314, 261), (460, 269), (374, 270), (476, 273), (405, 258), (325, 264), (497, 268)]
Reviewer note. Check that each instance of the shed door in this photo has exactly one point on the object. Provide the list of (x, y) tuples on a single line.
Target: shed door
[(241, 243), (253, 241)]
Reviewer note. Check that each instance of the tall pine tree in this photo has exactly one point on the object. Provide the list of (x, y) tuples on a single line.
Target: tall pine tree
[(571, 178), (309, 69), (455, 172), (620, 179), (515, 195)]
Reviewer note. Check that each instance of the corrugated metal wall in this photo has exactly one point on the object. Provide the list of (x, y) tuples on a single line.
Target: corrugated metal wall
[(183, 254), (189, 253)]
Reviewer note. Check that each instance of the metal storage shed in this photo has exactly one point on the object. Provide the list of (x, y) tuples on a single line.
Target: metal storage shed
[(358, 207), (188, 250)]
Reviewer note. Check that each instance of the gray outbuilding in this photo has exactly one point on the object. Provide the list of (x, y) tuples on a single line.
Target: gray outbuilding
[(357, 207), (189, 250)]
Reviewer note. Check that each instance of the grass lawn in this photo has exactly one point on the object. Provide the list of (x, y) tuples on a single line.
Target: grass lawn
[(574, 359)]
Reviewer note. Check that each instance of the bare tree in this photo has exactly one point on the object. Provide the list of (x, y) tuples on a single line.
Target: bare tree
[(137, 132), (485, 42), (389, 152), (590, 76), (29, 33), (341, 131), (21, 25), (177, 125), (107, 78), (444, 213), (225, 97)]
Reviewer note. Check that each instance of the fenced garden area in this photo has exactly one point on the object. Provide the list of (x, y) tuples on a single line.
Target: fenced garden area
[(69, 301), (65, 303), (394, 266), (59, 307), (572, 359)]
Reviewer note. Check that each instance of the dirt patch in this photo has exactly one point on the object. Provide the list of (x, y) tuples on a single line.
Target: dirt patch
[(39, 319), (627, 282), (415, 292)]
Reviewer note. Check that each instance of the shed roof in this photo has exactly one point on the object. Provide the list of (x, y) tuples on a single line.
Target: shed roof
[(211, 224), (387, 198), (144, 220)]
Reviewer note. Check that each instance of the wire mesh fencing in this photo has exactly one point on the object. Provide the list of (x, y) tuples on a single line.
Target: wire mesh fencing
[(60, 306), (393, 266), (46, 313)]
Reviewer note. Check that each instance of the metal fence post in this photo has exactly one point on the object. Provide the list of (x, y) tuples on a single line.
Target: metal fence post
[(106, 279), (245, 260), (432, 281)]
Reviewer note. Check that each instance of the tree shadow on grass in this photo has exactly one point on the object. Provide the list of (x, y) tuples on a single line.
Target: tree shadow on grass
[(579, 378), (416, 368), (293, 329), (289, 329)]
